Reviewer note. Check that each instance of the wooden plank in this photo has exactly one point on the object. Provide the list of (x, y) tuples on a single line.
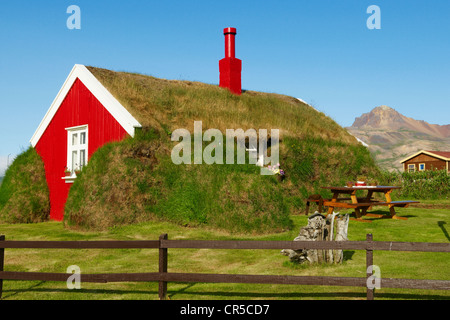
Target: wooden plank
[(351, 189), (415, 284), (255, 245), (332, 204), (305, 280), (188, 277), (351, 205), (80, 244), (411, 246), (229, 278), (265, 279), (296, 245), (92, 278), (367, 199), (228, 244), (44, 276), (369, 263), (163, 261), (401, 203), (368, 204), (2, 263), (404, 201), (387, 194), (333, 200)]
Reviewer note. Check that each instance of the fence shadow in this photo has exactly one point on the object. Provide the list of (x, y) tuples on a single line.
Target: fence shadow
[(348, 254), (441, 225), (384, 214), (218, 295)]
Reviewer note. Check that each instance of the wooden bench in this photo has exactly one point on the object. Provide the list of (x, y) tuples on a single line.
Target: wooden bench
[(392, 205), (359, 205), (364, 206), (321, 202), (316, 198), (402, 204)]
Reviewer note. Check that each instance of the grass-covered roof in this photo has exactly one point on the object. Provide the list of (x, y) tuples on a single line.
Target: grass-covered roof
[(134, 180)]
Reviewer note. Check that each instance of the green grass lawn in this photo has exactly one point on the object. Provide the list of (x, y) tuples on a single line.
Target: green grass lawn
[(423, 225)]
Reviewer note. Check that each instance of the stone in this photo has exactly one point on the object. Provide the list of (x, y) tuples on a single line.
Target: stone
[(320, 228)]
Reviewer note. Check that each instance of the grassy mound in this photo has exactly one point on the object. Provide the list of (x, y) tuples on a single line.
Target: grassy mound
[(135, 180), (24, 195)]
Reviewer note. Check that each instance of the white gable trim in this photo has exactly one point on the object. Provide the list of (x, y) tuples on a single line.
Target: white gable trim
[(122, 116), (427, 153)]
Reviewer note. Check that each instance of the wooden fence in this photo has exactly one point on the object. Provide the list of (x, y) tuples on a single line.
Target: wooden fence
[(163, 277)]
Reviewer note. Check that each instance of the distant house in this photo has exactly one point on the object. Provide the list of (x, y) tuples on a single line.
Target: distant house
[(427, 160)]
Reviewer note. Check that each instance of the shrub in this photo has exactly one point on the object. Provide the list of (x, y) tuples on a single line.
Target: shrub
[(24, 195), (429, 185)]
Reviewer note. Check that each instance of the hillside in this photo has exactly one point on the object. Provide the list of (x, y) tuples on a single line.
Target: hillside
[(392, 136), (135, 180)]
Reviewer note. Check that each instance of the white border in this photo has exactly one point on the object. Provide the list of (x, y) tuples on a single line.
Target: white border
[(122, 116)]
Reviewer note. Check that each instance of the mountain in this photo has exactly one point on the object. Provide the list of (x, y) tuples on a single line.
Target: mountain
[(391, 136)]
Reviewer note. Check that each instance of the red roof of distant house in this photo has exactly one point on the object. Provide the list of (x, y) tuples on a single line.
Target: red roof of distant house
[(445, 154)]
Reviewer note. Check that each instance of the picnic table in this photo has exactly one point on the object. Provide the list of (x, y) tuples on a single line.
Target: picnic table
[(362, 204)]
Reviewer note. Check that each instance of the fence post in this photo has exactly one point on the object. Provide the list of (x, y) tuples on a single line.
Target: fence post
[(369, 262), (2, 264), (162, 268)]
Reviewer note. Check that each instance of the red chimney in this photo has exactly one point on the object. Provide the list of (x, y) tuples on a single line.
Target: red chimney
[(230, 68)]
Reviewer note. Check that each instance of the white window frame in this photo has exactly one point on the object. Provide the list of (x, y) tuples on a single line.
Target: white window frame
[(411, 166), (75, 133), (423, 166)]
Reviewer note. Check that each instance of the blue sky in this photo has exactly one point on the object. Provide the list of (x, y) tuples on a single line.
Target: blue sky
[(320, 51)]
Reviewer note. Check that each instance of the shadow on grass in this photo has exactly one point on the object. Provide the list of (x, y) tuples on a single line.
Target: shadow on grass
[(219, 295), (441, 225), (385, 215), (309, 295), (348, 254)]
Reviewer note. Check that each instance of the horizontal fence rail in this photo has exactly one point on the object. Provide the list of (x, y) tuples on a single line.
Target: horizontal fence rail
[(79, 244), (226, 244), (163, 277), (297, 245)]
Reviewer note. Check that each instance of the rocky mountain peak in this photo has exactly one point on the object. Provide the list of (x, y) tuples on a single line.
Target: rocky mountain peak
[(391, 136), (380, 117)]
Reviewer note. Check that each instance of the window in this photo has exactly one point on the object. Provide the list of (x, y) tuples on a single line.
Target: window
[(411, 167), (421, 166), (77, 148)]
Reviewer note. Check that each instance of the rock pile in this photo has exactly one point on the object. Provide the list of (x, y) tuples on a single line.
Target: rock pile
[(320, 228)]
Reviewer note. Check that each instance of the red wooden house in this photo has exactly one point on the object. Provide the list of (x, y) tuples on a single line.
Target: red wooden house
[(83, 117), (427, 160)]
